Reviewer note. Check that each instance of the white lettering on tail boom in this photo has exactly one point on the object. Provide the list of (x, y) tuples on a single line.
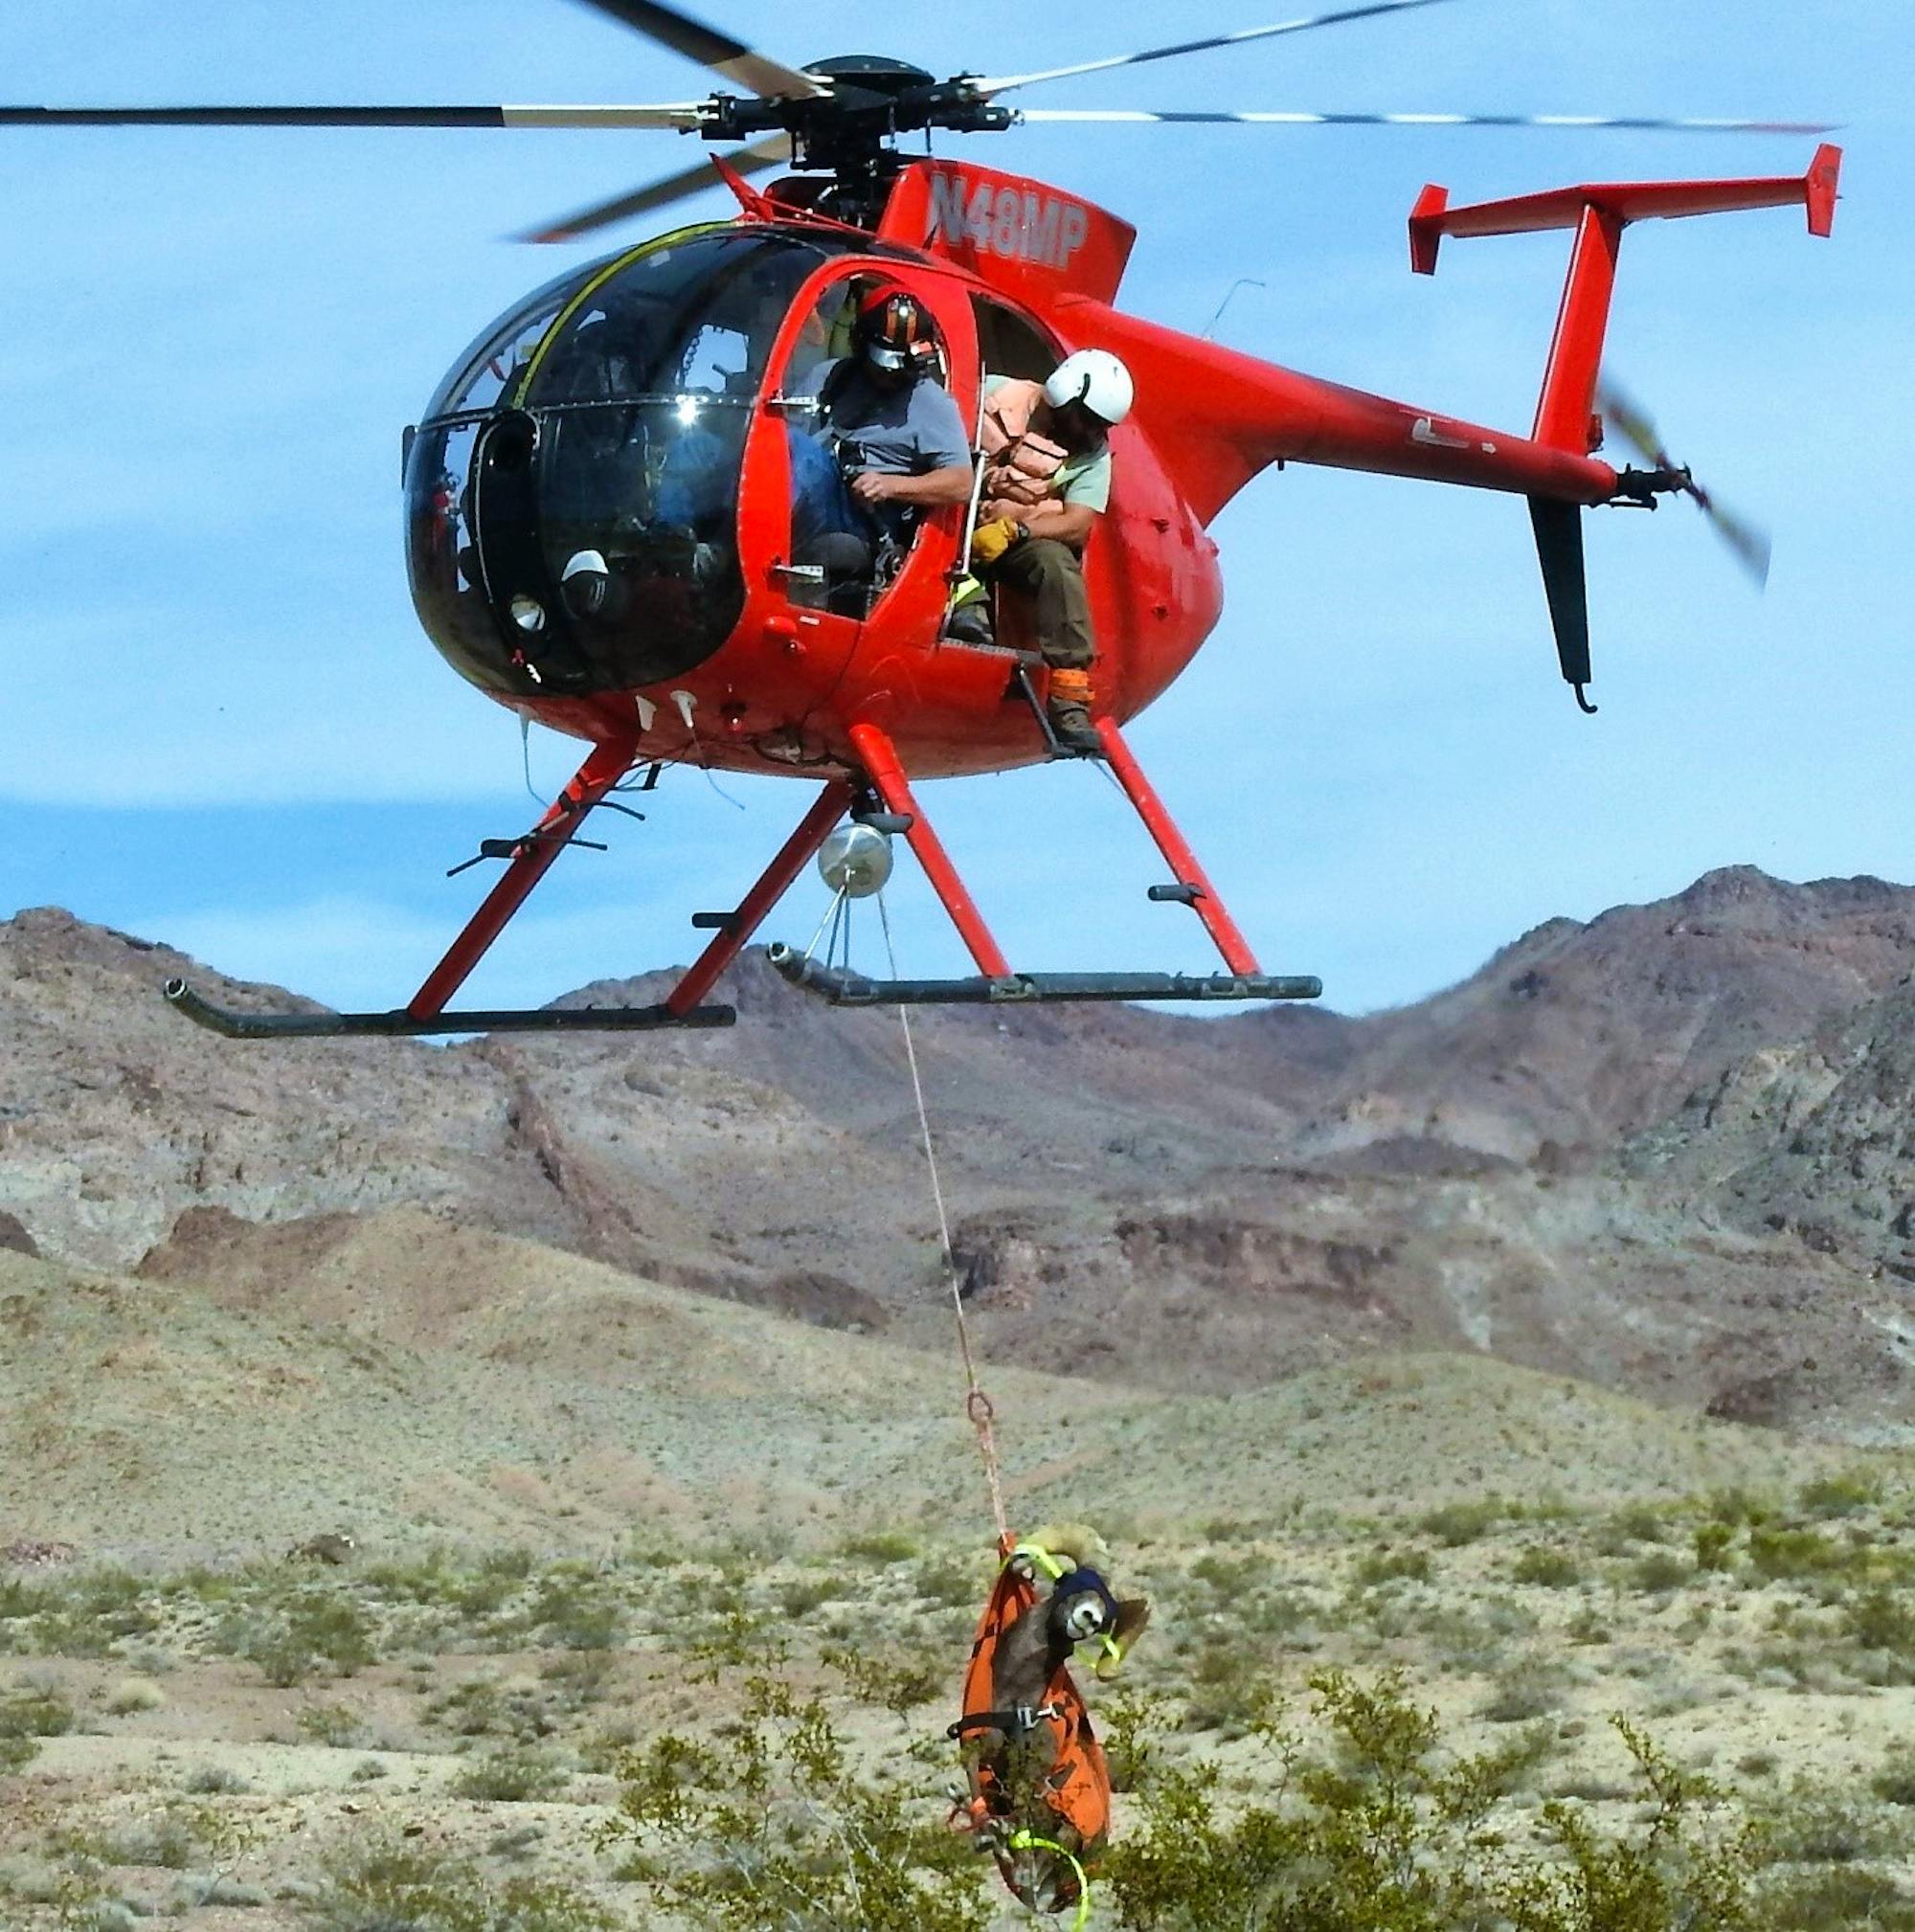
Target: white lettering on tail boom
[(1019, 225)]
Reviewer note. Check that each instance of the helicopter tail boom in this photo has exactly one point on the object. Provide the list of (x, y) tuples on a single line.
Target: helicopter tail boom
[(1218, 418)]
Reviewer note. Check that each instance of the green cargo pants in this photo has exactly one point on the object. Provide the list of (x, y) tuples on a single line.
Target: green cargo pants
[(1051, 574)]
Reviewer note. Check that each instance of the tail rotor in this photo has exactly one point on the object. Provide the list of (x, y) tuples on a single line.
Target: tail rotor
[(1748, 542)]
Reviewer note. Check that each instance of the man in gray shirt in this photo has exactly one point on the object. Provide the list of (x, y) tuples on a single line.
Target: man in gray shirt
[(898, 436)]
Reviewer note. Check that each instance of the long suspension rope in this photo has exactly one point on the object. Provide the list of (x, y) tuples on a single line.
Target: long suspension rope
[(977, 1404)]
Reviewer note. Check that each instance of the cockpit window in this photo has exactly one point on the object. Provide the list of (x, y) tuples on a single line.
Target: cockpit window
[(690, 319), (581, 465)]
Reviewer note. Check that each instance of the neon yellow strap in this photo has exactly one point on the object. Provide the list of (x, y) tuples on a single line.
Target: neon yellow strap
[(1029, 1841), (1041, 1556)]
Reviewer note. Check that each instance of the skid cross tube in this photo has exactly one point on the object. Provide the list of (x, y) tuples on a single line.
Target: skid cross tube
[(1204, 903), (888, 779), (813, 828), (607, 764)]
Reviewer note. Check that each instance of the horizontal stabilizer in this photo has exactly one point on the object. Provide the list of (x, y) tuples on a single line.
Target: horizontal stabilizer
[(1623, 201)]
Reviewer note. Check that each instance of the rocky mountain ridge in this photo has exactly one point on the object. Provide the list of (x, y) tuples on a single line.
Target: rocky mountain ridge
[(1667, 1150)]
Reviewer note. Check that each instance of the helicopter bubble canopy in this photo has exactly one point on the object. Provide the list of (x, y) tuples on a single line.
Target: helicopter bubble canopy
[(605, 415)]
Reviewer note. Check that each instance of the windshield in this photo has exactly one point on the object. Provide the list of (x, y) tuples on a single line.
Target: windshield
[(635, 381)]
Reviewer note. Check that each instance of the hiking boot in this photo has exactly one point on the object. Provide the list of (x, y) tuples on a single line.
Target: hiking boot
[(971, 623), (1072, 727)]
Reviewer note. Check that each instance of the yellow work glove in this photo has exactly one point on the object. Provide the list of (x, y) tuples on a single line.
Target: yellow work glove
[(990, 541)]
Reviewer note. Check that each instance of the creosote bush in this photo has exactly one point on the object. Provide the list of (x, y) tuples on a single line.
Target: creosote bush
[(1390, 1834), (772, 1824), (394, 1887)]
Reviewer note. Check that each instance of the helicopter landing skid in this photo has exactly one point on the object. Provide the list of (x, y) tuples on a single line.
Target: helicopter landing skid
[(527, 860), (996, 983), (403, 1025), (843, 988)]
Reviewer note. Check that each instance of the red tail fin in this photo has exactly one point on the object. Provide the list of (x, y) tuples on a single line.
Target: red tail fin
[(1599, 212)]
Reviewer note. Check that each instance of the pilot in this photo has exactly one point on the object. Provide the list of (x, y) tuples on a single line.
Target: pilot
[(1047, 481), (893, 429)]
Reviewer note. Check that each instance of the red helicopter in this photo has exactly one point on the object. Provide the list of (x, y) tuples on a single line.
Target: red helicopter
[(600, 495)]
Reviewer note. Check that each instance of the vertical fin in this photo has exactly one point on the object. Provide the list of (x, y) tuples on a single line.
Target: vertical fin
[(1558, 544)]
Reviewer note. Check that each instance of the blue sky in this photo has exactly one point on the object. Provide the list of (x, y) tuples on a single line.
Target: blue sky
[(222, 725)]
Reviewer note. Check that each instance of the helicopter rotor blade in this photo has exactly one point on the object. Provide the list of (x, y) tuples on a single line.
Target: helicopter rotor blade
[(1748, 542), (1633, 124), (681, 114), (731, 60), (1002, 83), (774, 150)]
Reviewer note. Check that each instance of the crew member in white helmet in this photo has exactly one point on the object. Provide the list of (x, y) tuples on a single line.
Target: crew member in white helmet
[(1047, 481)]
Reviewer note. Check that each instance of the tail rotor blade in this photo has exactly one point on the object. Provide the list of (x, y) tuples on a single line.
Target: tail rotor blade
[(1748, 542), (1633, 424)]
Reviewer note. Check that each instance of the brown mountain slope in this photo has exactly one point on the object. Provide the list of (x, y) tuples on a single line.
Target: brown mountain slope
[(1190, 1204), (1580, 1033), (1816, 1138), (578, 1406)]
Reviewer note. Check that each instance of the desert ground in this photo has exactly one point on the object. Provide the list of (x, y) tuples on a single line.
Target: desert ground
[(442, 1487)]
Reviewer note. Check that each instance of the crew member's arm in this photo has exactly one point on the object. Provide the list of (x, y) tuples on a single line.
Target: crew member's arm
[(1063, 523), (947, 484)]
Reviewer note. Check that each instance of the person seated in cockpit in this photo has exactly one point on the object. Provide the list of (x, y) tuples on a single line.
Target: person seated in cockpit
[(891, 440)]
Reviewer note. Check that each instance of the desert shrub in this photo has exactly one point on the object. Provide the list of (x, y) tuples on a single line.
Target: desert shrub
[(953, 1582), (1882, 1618), (577, 1610), (880, 1546), (332, 1726), (516, 1776), (797, 1597), (1817, 1825), (1222, 1694), (1741, 1508), (1840, 1900), (772, 1826), (897, 1681), (1632, 1525), (514, 1708), (1784, 1555), (31, 1713), (1712, 1545), (1229, 1576), (209, 1781), (1839, 1495), (1659, 1572), (16, 1754), (19, 1599), (1550, 1567), (86, 1614), (167, 1841), (309, 1634), (1455, 1524), (1390, 1834), (1531, 1689), (1385, 1567), (1896, 1780), (386, 1886)]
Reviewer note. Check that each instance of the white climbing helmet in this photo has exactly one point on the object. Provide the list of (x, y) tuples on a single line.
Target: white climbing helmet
[(1095, 378)]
